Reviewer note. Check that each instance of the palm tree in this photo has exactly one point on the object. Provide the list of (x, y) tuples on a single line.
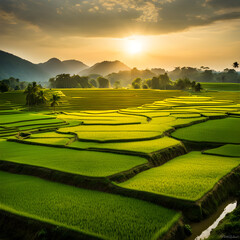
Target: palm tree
[(54, 101), (32, 94), (235, 64), (41, 97)]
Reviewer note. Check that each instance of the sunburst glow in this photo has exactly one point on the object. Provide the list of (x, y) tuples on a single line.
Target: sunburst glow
[(134, 46)]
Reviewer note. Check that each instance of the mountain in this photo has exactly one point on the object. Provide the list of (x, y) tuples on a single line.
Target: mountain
[(54, 66), (13, 66), (105, 68)]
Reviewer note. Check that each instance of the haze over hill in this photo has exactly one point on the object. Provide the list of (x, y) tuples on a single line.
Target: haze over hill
[(106, 67), (54, 66), (13, 66)]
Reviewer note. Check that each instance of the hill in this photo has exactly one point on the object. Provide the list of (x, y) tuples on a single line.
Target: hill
[(54, 66), (105, 68), (13, 66)]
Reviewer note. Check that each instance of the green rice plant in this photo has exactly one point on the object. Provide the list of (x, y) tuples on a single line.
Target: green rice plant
[(48, 141), (50, 135), (106, 215), (89, 163), (218, 131), (189, 176), (221, 86), (116, 136), (121, 128), (185, 115), (34, 122), (229, 150), (13, 118), (148, 146), (213, 114)]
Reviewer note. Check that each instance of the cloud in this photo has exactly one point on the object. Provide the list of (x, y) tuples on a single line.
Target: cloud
[(112, 18)]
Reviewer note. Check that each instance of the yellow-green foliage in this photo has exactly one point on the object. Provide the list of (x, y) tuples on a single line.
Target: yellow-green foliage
[(51, 141), (221, 131), (87, 163), (226, 150), (6, 119), (107, 215), (50, 135), (113, 136), (188, 177), (148, 146)]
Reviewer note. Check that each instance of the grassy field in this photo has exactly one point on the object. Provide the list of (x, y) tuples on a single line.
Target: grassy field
[(229, 150), (220, 131), (135, 146), (133, 122), (87, 163), (107, 215), (187, 177), (91, 99), (221, 86)]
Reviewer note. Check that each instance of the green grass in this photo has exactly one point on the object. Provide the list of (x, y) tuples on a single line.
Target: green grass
[(87, 163), (148, 146), (51, 135), (116, 136), (51, 141), (220, 131), (34, 122), (110, 99), (107, 215), (221, 86), (122, 128), (187, 177), (7, 119), (103, 118), (226, 150)]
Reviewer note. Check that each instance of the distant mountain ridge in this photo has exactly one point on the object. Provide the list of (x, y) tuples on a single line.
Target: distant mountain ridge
[(104, 68), (54, 66), (14, 66)]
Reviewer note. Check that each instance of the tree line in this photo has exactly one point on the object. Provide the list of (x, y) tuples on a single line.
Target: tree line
[(76, 81), (36, 95), (163, 82), (12, 84)]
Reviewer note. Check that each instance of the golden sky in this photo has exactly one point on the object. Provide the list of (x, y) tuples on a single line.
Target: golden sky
[(143, 34)]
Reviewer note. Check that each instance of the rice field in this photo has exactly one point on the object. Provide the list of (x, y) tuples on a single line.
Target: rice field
[(219, 131), (102, 214), (148, 146), (84, 136), (186, 177), (88, 163), (229, 150)]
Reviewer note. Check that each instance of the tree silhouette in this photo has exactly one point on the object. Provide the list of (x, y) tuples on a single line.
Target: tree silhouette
[(41, 97), (55, 101), (235, 64), (32, 91)]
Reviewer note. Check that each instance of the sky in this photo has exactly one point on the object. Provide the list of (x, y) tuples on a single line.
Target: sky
[(142, 34)]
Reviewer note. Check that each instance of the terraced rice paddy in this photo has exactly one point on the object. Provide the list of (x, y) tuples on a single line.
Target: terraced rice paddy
[(86, 163), (106, 215), (186, 177), (218, 131), (148, 146), (94, 134), (228, 150)]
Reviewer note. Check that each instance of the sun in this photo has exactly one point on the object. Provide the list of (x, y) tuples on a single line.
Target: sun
[(134, 46)]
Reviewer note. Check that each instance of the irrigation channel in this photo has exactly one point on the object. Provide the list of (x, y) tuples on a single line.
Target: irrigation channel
[(202, 230)]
